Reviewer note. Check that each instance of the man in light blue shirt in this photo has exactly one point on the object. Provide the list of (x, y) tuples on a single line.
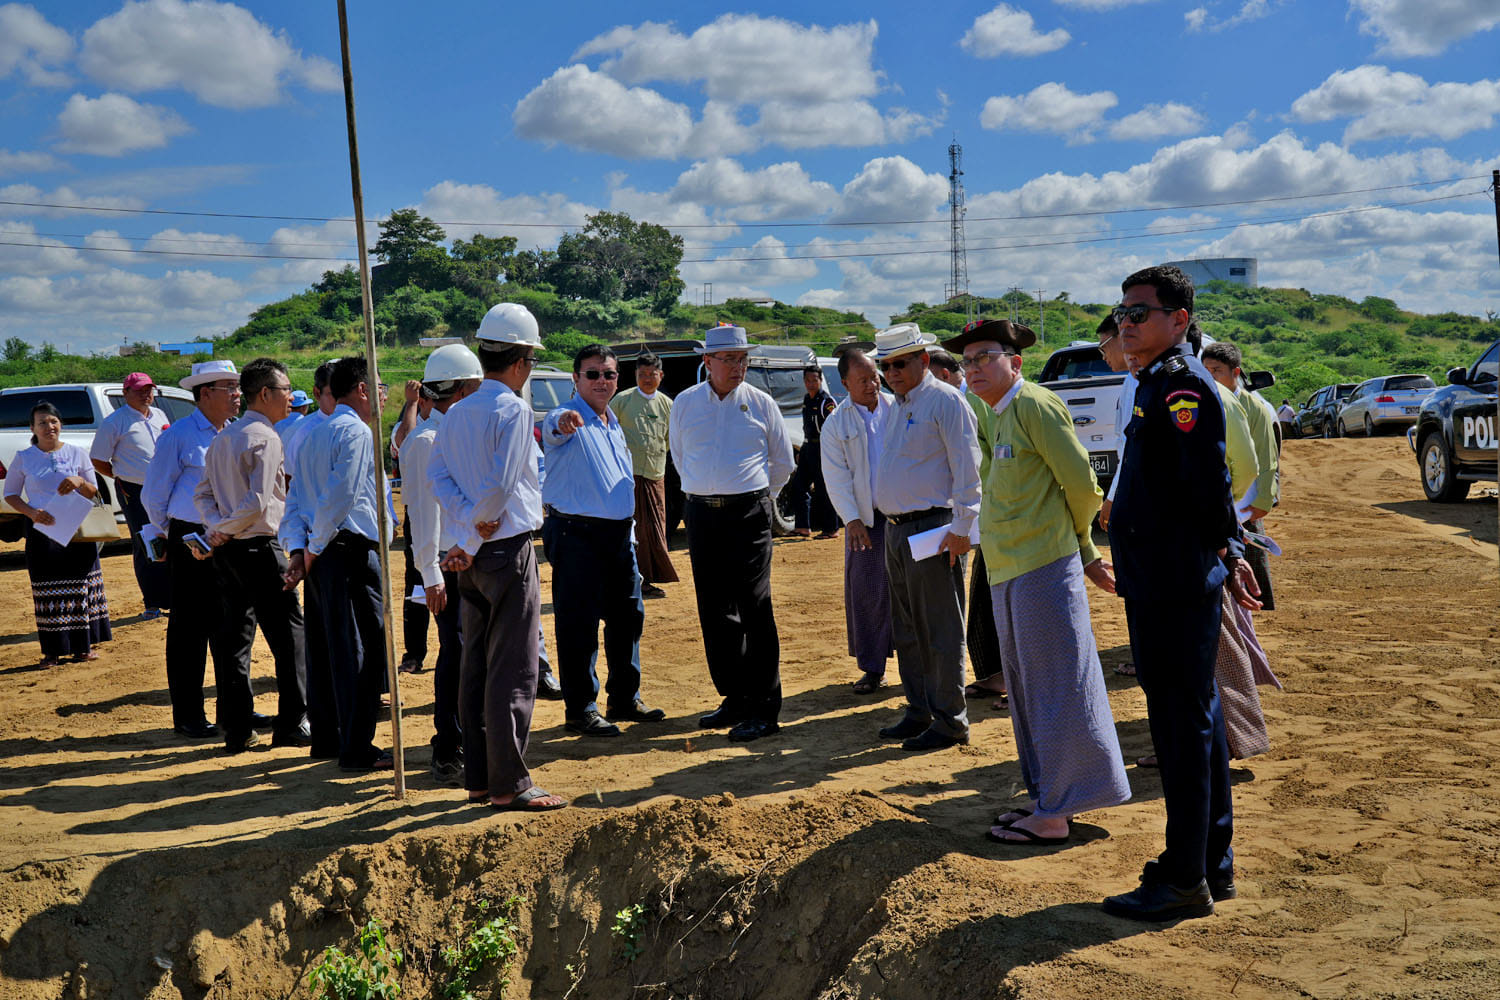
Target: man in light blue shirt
[(589, 539), (484, 474), (122, 449), (300, 402), (173, 475), (336, 471)]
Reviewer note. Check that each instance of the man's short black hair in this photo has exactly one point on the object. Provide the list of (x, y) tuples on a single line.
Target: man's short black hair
[(1107, 325), (347, 374), (647, 360), (1226, 354), (495, 361), (1195, 337), (848, 354), (942, 359), (258, 374), (813, 370), (1174, 290), (600, 351), (321, 375)]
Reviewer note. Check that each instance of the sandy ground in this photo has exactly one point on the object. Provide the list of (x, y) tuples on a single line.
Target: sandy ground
[(821, 862)]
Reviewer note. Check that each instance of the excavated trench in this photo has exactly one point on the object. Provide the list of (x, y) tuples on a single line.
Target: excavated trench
[(817, 897)]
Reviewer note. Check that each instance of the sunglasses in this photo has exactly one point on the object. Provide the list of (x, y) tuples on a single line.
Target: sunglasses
[(1137, 313), (982, 358), (594, 375), (895, 365)]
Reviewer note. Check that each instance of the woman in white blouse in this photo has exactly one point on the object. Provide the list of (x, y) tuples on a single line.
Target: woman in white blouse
[(67, 588)]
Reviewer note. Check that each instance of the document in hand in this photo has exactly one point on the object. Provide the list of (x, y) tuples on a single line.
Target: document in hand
[(68, 511), (924, 544), (417, 595)]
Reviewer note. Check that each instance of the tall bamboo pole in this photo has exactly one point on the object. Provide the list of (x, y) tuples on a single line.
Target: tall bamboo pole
[(374, 384)]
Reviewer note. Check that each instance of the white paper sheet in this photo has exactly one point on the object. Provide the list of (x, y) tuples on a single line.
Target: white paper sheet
[(924, 544), (417, 595), (68, 511), (1262, 541)]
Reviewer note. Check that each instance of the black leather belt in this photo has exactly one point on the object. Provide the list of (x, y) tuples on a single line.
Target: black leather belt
[(727, 499), (917, 515), (597, 522), (354, 539)]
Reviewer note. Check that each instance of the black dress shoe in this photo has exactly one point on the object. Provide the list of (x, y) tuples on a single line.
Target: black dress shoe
[(722, 717), (931, 739), (651, 591), (591, 724), (197, 730), (548, 689), (1161, 901), (637, 712), (292, 738), (1222, 889), (752, 729), (259, 720), (904, 729), (248, 741)]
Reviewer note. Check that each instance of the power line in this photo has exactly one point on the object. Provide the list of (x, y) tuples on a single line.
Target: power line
[(1041, 244), (863, 223)]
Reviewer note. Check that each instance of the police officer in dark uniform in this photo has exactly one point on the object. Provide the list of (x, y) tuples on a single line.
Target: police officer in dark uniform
[(811, 505), (1175, 541)]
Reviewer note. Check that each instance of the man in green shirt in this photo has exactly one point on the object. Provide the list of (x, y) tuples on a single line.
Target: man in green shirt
[(1036, 511), (643, 413)]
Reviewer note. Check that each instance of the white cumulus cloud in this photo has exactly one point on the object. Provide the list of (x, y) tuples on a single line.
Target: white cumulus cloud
[(1155, 121), (1383, 104), (113, 125), (26, 160), (466, 209), (219, 52), (891, 188), (32, 45), (1199, 19), (588, 110), (779, 191), (1423, 27), (1010, 31), (1050, 108)]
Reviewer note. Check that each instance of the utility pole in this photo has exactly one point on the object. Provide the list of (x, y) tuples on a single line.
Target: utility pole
[(1495, 196), (1041, 317)]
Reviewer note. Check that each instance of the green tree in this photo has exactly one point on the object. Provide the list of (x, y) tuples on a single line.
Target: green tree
[(403, 234), (16, 349), (615, 257)]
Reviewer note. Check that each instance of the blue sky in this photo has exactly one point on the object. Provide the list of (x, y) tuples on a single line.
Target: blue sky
[(1304, 132)]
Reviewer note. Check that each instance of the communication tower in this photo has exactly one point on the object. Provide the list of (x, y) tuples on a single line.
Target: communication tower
[(959, 278)]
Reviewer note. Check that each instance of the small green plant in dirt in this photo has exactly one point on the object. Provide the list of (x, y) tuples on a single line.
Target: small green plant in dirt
[(363, 976), (490, 941), (628, 925)]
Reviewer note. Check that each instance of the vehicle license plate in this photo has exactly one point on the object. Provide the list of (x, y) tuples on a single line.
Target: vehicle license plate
[(1103, 462)]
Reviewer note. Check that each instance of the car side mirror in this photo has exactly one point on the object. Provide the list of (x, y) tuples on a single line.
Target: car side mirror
[(1458, 376), (1259, 380)]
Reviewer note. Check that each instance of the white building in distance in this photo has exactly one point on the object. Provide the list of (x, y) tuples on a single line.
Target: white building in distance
[(1236, 270)]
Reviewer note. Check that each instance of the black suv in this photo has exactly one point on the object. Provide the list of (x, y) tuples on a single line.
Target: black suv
[(1319, 416), (1454, 436)]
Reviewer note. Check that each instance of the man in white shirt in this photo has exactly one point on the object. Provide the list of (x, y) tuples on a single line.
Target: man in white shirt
[(452, 373), (731, 449), (927, 479), (484, 474), (122, 449), (851, 450)]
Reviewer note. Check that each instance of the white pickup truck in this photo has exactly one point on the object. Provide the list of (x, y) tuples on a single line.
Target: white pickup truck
[(83, 406)]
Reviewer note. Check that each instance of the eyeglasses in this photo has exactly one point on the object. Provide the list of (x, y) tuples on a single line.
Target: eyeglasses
[(595, 374), (233, 390), (973, 361), (895, 365), (529, 362), (1137, 313), (741, 362), (1105, 342), (281, 388)]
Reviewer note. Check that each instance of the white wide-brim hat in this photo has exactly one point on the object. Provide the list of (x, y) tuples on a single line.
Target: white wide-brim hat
[(724, 338), (205, 372), (903, 338)]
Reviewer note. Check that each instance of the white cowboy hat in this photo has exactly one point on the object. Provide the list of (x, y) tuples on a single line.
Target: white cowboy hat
[(724, 338), (903, 338), (205, 372)]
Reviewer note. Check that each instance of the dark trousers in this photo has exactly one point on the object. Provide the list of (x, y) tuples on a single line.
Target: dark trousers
[(1260, 564), (414, 616), (251, 592), (1174, 645), (979, 628), (502, 613), (730, 549), (347, 576), (190, 629), (927, 627), (811, 507), (447, 738), (593, 578), (152, 577), (322, 707)]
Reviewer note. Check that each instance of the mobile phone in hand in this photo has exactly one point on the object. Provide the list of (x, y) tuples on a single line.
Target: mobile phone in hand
[(198, 544)]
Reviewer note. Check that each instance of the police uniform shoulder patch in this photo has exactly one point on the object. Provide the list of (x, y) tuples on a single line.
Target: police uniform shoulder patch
[(1176, 365), (1183, 405)]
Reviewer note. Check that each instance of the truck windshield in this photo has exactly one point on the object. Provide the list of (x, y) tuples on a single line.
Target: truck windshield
[(1075, 364), (73, 404)]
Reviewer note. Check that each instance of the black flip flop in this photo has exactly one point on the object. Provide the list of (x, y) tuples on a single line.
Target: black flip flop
[(1031, 839), (1020, 815), (522, 802)]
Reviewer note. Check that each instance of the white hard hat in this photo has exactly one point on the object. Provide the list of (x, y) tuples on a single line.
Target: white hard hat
[(509, 323), (450, 363)]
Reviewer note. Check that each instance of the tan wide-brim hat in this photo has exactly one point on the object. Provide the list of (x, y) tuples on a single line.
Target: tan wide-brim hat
[(1001, 331), (903, 338)]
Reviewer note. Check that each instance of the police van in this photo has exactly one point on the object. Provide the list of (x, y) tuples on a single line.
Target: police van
[(1455, 436)]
